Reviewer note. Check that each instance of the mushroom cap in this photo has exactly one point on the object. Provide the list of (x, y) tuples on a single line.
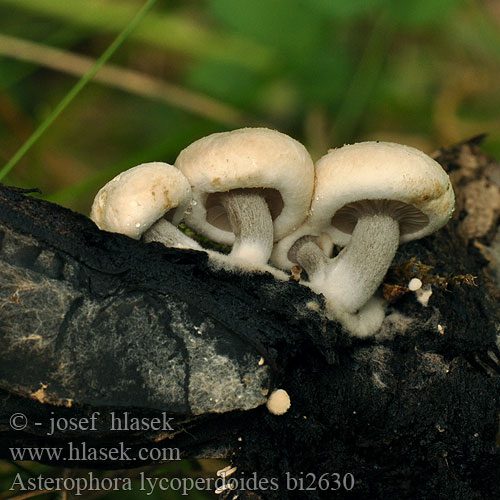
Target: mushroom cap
[(135, 199), (374, 175), (247, 158), (381, 171)]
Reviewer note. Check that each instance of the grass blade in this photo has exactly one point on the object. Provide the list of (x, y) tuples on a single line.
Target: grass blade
[(76, 89)]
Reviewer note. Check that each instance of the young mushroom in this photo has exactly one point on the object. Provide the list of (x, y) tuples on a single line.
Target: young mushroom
[(369, 197), (251, 187), (139, 201), (278, 402)]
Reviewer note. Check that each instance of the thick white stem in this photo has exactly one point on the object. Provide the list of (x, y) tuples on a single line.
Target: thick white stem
[(355, 274), (165, 232), (252, 224)]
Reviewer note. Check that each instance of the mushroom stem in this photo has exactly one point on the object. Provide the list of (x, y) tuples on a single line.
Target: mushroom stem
[(165, 232), (359, 269), (252, 224), (309, 257)]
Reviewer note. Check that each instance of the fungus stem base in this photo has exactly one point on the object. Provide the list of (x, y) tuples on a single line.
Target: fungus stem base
[(309, 257), (165, 232), (358, 270)]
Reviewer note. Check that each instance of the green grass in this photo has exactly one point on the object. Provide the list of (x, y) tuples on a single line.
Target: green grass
[(325, 72), (78, 87)]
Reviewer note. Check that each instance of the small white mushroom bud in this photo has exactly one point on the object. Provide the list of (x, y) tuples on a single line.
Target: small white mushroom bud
[(148, 200), (414, 284), (278, 402)]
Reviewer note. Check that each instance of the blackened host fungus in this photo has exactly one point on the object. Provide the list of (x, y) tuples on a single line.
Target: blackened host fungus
[(369, 197)]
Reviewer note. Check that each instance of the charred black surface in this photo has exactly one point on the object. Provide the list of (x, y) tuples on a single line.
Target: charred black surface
[(102, 319), (93, 321), (411, 413)]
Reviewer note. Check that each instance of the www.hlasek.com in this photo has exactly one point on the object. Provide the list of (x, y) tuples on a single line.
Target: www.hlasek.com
[(79, 485), (80, 451)]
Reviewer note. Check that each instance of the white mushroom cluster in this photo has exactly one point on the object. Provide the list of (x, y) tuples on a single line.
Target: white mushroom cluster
[(259, 191)]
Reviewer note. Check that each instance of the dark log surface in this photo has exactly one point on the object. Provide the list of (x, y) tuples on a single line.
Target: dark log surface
[(96, 322)]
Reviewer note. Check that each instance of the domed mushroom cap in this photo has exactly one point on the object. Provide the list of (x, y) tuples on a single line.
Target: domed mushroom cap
[(401, 180), (369, 176), (248, 158), (135, 199)]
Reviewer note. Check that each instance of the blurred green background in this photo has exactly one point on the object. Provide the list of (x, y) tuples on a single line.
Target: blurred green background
[(328, 72)]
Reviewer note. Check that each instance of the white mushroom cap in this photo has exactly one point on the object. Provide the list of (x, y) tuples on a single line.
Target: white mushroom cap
[(247, 158), (409, 184), (381, 171), (135, 199), (415, 284), (280, 256)]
